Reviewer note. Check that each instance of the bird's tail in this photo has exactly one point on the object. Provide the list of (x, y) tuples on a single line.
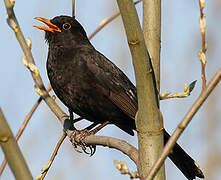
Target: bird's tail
[(183, 161)]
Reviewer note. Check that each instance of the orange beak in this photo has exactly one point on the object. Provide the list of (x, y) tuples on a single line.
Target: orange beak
[(51, 27)]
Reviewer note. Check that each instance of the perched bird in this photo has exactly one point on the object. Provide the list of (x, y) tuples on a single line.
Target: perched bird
[(93, 87)]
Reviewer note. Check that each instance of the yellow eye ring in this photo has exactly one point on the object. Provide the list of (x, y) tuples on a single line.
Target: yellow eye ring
[(66, 26)]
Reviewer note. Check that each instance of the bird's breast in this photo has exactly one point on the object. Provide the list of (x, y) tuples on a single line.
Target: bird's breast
[(69, 78)]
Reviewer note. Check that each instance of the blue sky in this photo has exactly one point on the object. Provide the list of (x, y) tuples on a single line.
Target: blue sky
[(180, 44)]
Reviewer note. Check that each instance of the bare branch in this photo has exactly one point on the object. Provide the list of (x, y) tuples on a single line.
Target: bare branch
[(152, 33), (107, 21), (202, 53), (47, 166), (12, 152), (183, 124)]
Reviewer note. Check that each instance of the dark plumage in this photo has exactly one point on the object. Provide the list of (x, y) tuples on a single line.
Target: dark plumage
[(93, 87)]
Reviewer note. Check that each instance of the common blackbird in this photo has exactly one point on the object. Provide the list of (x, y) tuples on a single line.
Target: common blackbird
[(93, 87)]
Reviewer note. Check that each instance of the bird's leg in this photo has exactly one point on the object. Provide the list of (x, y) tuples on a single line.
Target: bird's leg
[(90, 127), (77, 119), (71, 119), (94, 131), (79, 135), (86, 132)]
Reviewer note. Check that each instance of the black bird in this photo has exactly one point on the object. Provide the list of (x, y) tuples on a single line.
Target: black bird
[(93, 87)]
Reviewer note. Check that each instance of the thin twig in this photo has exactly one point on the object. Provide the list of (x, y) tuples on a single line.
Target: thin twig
[(183, 124), (4, 162), (202, 53), (123, 168), (107, 21), (28, 117), (186, 92), (73, 8), (45, 170)]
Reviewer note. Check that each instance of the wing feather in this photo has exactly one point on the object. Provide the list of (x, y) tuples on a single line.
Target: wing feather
[(114, 84)]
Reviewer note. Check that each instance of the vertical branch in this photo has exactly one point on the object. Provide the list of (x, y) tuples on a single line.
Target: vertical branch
[(149, 127), (73, 8), (152, 33), (202, 53), (12, 152), (152, 37)]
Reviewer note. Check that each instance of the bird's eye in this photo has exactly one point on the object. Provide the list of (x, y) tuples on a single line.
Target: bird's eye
[(66, 26)]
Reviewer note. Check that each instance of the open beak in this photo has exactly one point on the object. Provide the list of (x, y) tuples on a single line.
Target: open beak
[(51, 27)]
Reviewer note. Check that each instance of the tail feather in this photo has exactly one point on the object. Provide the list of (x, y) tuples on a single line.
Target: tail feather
[(183, 161)]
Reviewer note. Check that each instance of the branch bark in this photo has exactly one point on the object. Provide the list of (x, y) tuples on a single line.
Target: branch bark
[(12, 152), (114, 143), (202, 53), (149, 126), (152, 33), (183, 124), (152, 37)]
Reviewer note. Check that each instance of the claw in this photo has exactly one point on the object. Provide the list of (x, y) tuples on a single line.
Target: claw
[(94, 150), (77, 139), (76, 147)]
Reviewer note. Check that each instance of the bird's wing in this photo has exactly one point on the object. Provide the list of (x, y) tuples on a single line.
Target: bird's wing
[(114, 84)]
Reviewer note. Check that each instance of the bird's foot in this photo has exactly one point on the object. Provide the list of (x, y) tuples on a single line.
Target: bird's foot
[(77, 139)]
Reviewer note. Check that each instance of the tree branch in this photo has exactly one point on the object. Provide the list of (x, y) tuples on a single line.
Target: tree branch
[(12, 152), (148, 122), (47, 166), (152, 33), (114, 143), (152, 36), (202, 53), (183, 124)]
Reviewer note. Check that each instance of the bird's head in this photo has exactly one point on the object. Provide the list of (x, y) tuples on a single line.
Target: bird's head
[(62, 29)]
